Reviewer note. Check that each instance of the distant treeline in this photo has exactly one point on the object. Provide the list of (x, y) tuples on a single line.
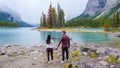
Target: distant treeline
[(4, 23), (112, 22)]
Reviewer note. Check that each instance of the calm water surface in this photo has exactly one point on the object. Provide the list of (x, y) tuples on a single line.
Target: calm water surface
[(27, 36)]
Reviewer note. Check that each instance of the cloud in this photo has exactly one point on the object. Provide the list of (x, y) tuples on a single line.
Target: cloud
[(30, 10)]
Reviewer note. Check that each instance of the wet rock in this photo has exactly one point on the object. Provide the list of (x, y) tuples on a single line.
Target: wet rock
[(19, 53), (18, 67), (8, 46), (35, 58), (117, 57), (33, 64), (87, 66), (70, 66), (76, 66), (3, 53), (84, 49), (84, 53), (107, 52), (118, 36), (112, 66), (35, 52), (104, 63)]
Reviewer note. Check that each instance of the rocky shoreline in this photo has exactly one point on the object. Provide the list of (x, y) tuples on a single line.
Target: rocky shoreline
[(116, 34), (81, 56)]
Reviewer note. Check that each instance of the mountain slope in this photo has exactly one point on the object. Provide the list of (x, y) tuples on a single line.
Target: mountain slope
[(11, 16), (100, 8)]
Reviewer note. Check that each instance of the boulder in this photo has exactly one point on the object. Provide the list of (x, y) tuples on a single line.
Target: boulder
[(103, 63), (2, 52)]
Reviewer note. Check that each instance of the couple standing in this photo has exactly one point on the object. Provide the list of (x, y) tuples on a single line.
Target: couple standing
[(65, 40)]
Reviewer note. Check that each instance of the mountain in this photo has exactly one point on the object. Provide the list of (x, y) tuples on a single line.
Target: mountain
[(10, 15), (36, 25), (100, 8)]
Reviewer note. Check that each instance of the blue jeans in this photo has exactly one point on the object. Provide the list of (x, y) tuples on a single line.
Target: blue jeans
[(65, 50)]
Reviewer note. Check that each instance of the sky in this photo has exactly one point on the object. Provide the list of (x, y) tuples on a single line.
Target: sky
[(31, 10)]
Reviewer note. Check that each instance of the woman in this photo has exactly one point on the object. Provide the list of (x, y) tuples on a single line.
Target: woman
[(49, 49)]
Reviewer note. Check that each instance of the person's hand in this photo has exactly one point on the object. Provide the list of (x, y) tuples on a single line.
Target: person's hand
[(57, 48)]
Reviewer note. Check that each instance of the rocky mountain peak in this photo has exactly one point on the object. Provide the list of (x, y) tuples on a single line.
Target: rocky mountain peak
[(95, 8)]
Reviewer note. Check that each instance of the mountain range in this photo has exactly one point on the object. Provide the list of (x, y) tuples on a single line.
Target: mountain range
[(100, 9), (7, 14)]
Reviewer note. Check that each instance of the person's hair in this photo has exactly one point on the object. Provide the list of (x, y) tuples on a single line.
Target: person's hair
[(63, 31), (48, 39)]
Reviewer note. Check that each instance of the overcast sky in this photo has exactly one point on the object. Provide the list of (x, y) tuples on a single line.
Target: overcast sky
[(30, 10)]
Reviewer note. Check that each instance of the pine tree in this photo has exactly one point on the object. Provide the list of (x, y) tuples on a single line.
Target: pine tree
[(107, 25), (58, 18), (61, 19), (41, 21), (116, 20), (44, 19), (54, 17), (50, 17)]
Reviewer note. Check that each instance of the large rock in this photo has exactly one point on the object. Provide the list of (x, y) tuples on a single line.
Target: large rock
[(2, 52), (103, 63)]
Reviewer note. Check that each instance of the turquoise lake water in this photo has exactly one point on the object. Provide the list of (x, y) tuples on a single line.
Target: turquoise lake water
[(89, 28), (27, 36)]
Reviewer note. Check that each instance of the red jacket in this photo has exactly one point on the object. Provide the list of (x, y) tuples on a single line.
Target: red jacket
[(65, 40)]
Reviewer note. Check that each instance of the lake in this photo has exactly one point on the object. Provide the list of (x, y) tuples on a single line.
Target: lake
[(27, 36)]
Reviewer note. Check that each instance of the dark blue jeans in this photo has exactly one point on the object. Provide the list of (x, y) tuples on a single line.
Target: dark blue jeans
[(65, 50)]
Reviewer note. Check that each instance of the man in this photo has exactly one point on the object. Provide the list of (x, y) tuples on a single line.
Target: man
[(65, 40)]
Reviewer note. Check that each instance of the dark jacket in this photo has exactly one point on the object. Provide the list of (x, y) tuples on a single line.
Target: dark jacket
[(65, 40)]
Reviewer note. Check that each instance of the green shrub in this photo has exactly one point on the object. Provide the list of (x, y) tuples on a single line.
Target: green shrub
[(75, 56), (65, 65), (14, 54), (118, 45), (111, 59), (76, 53), (23, 53), (118, 61), (93, 55)]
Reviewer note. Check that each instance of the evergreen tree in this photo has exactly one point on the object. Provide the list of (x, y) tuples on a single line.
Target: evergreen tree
[(44, 20), (54, 17), (61, 19), (41, 21), (107, 25), (58, 18), (116, 20), (50, 16)]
